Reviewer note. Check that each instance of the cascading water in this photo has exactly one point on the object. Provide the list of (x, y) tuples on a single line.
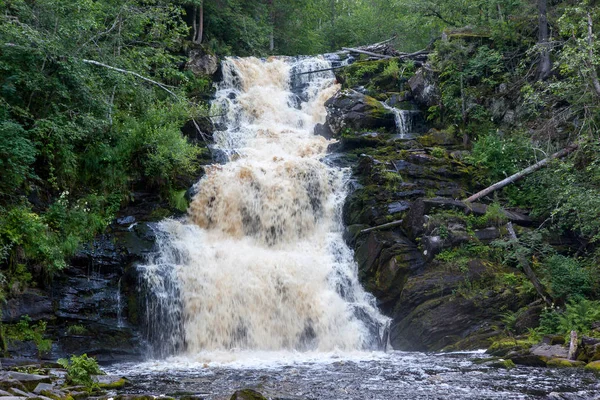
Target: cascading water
[(260, 263)]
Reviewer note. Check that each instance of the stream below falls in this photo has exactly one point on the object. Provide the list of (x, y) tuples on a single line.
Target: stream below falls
[(354, 376)]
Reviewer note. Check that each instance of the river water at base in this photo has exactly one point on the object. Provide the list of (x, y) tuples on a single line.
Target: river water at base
[(353, 376)]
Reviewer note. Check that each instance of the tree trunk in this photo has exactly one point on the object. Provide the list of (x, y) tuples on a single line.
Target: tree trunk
[(591, 66), (545, 66), (524, 263), (573, 346), (368, 53), (272, 21), (198, 23), (521, 174)]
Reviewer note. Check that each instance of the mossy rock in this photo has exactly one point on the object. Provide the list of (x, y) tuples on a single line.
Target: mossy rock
[(530, 360), (247, 394), (117, 384), (593, 366), (435, 138), (506, 345), (506, 364), (563, 363)]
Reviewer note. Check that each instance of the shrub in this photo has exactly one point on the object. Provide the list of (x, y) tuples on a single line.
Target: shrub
[(80, 369), (566, 277), (24, 331), (17, 153), (154, 147), (501, 157)]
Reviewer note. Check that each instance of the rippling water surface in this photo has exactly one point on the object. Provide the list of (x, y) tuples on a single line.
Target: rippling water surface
[(392, 375)]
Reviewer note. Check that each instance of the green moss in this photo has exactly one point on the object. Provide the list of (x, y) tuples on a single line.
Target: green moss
[(505, 345), (114, 385), (502, 363), (563, 363), (77, 330), (49, 394), (593, 366), (247, 394), (437, 138)]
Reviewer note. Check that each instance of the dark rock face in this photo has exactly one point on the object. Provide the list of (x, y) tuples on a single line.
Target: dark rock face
[(434, 304), (92, 306), (423, 88), (356, 111)]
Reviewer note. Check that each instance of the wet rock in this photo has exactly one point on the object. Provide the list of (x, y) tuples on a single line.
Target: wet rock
[(323, 130), (423, 88), (20, 393), (29, 381), (247, 394), (42, 387), (349, 109), (34, 303), (385, 259), (530, 360), (398, 206), (128, 220)]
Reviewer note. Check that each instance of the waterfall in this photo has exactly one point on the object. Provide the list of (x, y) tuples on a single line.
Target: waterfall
[(405, 120), (259, 263)]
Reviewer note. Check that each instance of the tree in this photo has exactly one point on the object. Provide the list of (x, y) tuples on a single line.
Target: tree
[(198, 23), (545, 66)]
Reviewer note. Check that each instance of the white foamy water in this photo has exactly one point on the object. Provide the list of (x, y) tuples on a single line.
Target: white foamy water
[(260, 263)]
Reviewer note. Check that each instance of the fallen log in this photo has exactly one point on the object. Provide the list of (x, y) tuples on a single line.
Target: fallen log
[(524, 263), (513, 178), (376, 45), (415, 54), (321, 70), (368, 53), (388, 225)]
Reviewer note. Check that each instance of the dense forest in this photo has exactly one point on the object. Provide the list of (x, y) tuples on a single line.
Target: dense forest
[(94, 94)]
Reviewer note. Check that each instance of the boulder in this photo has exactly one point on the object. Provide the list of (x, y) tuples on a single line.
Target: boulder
[(549, 351), (29, 381), (593, 366), (563, 363), (201, 63), (247, 394), (422, 86), (350, 110)]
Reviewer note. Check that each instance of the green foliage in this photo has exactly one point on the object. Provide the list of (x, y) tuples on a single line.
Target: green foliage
[(80, 370), (459, 257), (77, 330), (178, 201), (76, 138), (17, 153), (154, 147), (24, 331), (567, 277), (579, 315), (392, 69), (500, 156), (438, 152)]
